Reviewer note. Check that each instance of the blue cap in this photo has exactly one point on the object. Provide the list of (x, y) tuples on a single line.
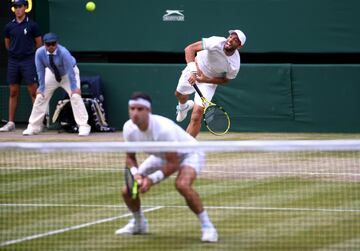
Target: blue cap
[(19, 2), (50, 37)]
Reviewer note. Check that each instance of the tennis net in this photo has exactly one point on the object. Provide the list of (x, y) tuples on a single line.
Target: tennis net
[(260, 195)]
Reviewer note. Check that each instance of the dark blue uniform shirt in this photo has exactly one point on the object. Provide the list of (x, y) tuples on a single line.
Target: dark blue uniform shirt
[(21, 37)]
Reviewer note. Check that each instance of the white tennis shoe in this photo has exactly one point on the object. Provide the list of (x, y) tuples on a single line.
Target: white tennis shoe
[(209, 234), (182, 112), (29, 131), (134, 228), (84, 130), (8, 127)]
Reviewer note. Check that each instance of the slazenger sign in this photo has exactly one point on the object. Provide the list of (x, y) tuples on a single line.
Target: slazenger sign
[(173, 15)]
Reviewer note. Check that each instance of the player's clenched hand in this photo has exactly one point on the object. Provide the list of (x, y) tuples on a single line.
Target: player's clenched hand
[(201, 77), (192, 78), (145, 185), (138, 178)]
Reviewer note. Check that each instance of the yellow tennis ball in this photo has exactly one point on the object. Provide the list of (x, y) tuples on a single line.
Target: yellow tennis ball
[(90, 6)]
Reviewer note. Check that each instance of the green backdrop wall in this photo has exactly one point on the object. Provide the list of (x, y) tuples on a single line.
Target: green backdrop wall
[(270, 25), (278, 97)]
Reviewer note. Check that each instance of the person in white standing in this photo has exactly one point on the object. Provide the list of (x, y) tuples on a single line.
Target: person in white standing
[(56, 67), (145, 126), (210, 62)]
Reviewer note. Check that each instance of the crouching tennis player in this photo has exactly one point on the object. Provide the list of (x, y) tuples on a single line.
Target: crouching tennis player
[(145, 126)]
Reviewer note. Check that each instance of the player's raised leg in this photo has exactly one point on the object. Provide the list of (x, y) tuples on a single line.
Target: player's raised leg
[(183, 107), (183, 90)]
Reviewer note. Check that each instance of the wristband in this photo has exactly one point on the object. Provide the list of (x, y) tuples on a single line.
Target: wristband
[(134, 170), (157, 176), (192, 66)]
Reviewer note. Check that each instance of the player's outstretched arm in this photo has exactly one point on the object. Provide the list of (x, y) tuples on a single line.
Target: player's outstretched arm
[(191, 50)]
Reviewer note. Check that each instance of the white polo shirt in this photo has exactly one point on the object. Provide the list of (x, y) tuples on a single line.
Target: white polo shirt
[(213, 62), (160, 129), (163, 129)]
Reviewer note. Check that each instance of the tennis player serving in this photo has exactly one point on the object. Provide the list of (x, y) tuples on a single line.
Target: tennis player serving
[(210, 62), (145, 126)]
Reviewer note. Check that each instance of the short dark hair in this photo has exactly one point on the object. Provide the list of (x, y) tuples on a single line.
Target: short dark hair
[(142, 95)]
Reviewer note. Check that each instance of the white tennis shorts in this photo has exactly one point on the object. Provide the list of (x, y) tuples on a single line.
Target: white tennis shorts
[(207, 89), (154, 163)]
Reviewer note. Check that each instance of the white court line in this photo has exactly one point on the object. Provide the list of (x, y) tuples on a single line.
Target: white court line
[(32, 237), (290, 209), (58, 231), (343, 210), (354, 210)]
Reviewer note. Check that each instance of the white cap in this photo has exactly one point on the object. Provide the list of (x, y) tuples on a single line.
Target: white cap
[(240, 35)]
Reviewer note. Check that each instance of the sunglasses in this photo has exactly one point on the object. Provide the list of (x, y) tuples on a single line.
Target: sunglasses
[(50, 44)]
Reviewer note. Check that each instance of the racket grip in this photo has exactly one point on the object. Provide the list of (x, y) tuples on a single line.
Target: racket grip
[(134, 190), (197, 90)]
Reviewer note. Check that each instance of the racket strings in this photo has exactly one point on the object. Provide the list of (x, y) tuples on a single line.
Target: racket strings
[(129, 179), (216, 119), (131, 183)]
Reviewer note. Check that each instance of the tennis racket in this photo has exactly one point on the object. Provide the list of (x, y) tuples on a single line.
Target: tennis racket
[(216, 118), (131, 183)]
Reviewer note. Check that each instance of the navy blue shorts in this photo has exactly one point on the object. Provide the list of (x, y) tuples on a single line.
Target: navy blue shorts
[(21, 70)]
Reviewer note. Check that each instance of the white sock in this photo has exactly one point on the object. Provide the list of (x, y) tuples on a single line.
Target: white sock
[(139, 216), (182, 106), (204, 220)]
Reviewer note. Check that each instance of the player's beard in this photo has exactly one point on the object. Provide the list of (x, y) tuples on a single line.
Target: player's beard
[(229, 51)]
